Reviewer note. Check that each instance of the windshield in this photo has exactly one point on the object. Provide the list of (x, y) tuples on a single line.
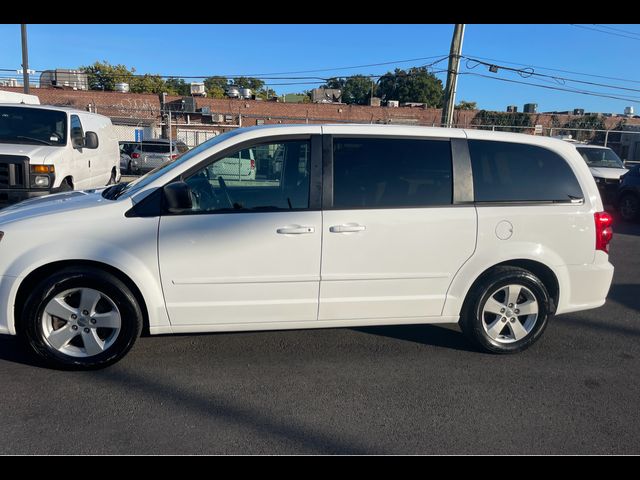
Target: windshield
[(33, 126), (601, 157), (140, 183)]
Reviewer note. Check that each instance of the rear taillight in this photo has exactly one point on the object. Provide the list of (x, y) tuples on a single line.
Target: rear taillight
[(253, 164), (174, 156), (135, 155), (603, 230)]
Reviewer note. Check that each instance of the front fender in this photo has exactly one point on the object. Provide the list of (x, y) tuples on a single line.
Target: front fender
[(137, 259)]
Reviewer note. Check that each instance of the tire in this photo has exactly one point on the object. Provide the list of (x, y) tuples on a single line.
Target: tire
[(112, 178), (83, 343), (508, 330), (629, 207)]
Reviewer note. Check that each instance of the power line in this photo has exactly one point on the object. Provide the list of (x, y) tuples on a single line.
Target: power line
[(604, 31), (266, 76), (530, 72), (581, 92), (558, 70), (617, 29)]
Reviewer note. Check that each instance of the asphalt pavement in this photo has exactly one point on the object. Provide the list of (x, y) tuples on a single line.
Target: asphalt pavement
[(382, 390)]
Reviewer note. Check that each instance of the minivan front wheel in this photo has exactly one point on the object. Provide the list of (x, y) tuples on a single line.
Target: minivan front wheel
[(81, 318), (507, 311)]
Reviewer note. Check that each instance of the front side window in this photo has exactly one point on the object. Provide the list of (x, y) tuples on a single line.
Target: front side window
[(271, 176), (33, 126), (513, 172), (390, 173), (77, 133)]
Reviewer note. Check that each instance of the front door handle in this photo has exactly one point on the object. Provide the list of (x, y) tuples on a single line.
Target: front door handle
[(349, 227), (295, 230)]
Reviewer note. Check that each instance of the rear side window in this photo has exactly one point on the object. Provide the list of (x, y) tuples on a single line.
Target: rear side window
[(388, 173), (155, 148), (504, 172)]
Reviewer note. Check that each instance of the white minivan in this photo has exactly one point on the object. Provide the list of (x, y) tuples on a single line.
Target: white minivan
[(46, 149), (361, 225)]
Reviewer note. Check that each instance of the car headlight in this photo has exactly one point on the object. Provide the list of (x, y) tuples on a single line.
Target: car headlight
[(41, 181)]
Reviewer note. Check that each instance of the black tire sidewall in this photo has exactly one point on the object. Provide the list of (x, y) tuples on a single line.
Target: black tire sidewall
[(637, 200), (30, 326), (473, 317)]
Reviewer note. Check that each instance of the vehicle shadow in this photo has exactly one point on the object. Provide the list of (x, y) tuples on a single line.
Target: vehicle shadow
[(626, 294), (13, 350), (433, 335)]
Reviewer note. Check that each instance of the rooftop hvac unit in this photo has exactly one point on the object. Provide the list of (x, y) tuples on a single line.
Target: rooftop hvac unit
[(578, 111), (512, 109), (205, 110), (233, 92), (628, 110), (245, 93), (217, 118), (121, 87), (530, 108), (228, 118), (393, 103), (189, 104), (198, 90)]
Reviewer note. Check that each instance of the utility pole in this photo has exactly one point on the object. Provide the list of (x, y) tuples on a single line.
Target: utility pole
[(452, 76), (25, 58)]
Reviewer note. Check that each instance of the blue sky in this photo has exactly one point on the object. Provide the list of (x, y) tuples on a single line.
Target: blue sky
[(193, 50)]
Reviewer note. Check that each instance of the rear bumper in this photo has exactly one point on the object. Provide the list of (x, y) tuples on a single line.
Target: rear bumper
[(588, 285)]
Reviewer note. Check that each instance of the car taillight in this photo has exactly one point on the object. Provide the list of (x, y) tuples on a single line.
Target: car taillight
[(135, 155), (253, 164), (174, 156), (604, 233)]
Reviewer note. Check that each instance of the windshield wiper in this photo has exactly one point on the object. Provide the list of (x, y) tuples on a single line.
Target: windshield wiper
[(22, 137)]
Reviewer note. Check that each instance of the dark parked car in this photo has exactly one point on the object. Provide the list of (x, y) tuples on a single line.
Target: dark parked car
[(126, 149), (628, 199)]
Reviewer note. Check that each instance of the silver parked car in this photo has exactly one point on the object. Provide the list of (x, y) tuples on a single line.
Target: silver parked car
[(150, 154)]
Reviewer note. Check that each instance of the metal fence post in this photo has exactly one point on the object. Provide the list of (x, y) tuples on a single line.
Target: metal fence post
[(606, 138)]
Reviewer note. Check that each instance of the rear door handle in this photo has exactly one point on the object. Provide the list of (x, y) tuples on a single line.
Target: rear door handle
[(349, 227), (295, 230)]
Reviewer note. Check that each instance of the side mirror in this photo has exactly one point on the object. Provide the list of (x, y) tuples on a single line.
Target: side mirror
[(177, 197), (91, 140)]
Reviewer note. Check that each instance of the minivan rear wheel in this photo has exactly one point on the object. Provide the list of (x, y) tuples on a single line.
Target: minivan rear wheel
[(80, 318), (506, 311)]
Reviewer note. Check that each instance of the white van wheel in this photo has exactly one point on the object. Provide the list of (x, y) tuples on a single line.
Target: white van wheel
[(112, 178)]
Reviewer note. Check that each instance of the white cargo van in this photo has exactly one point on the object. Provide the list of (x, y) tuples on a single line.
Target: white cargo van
[(46, 149)]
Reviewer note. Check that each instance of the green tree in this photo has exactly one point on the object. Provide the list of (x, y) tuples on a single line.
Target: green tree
[(216, 86), (147, 83), (576, 127), (355, 89), (503, 120), (465, 105), (104, 76), (177, 86), (414, 85), (255, 84)]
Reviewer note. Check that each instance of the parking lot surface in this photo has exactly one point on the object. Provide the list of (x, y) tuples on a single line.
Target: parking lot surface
[(374, 390)]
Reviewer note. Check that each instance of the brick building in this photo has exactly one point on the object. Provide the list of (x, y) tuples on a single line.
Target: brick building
[(130, 111)]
